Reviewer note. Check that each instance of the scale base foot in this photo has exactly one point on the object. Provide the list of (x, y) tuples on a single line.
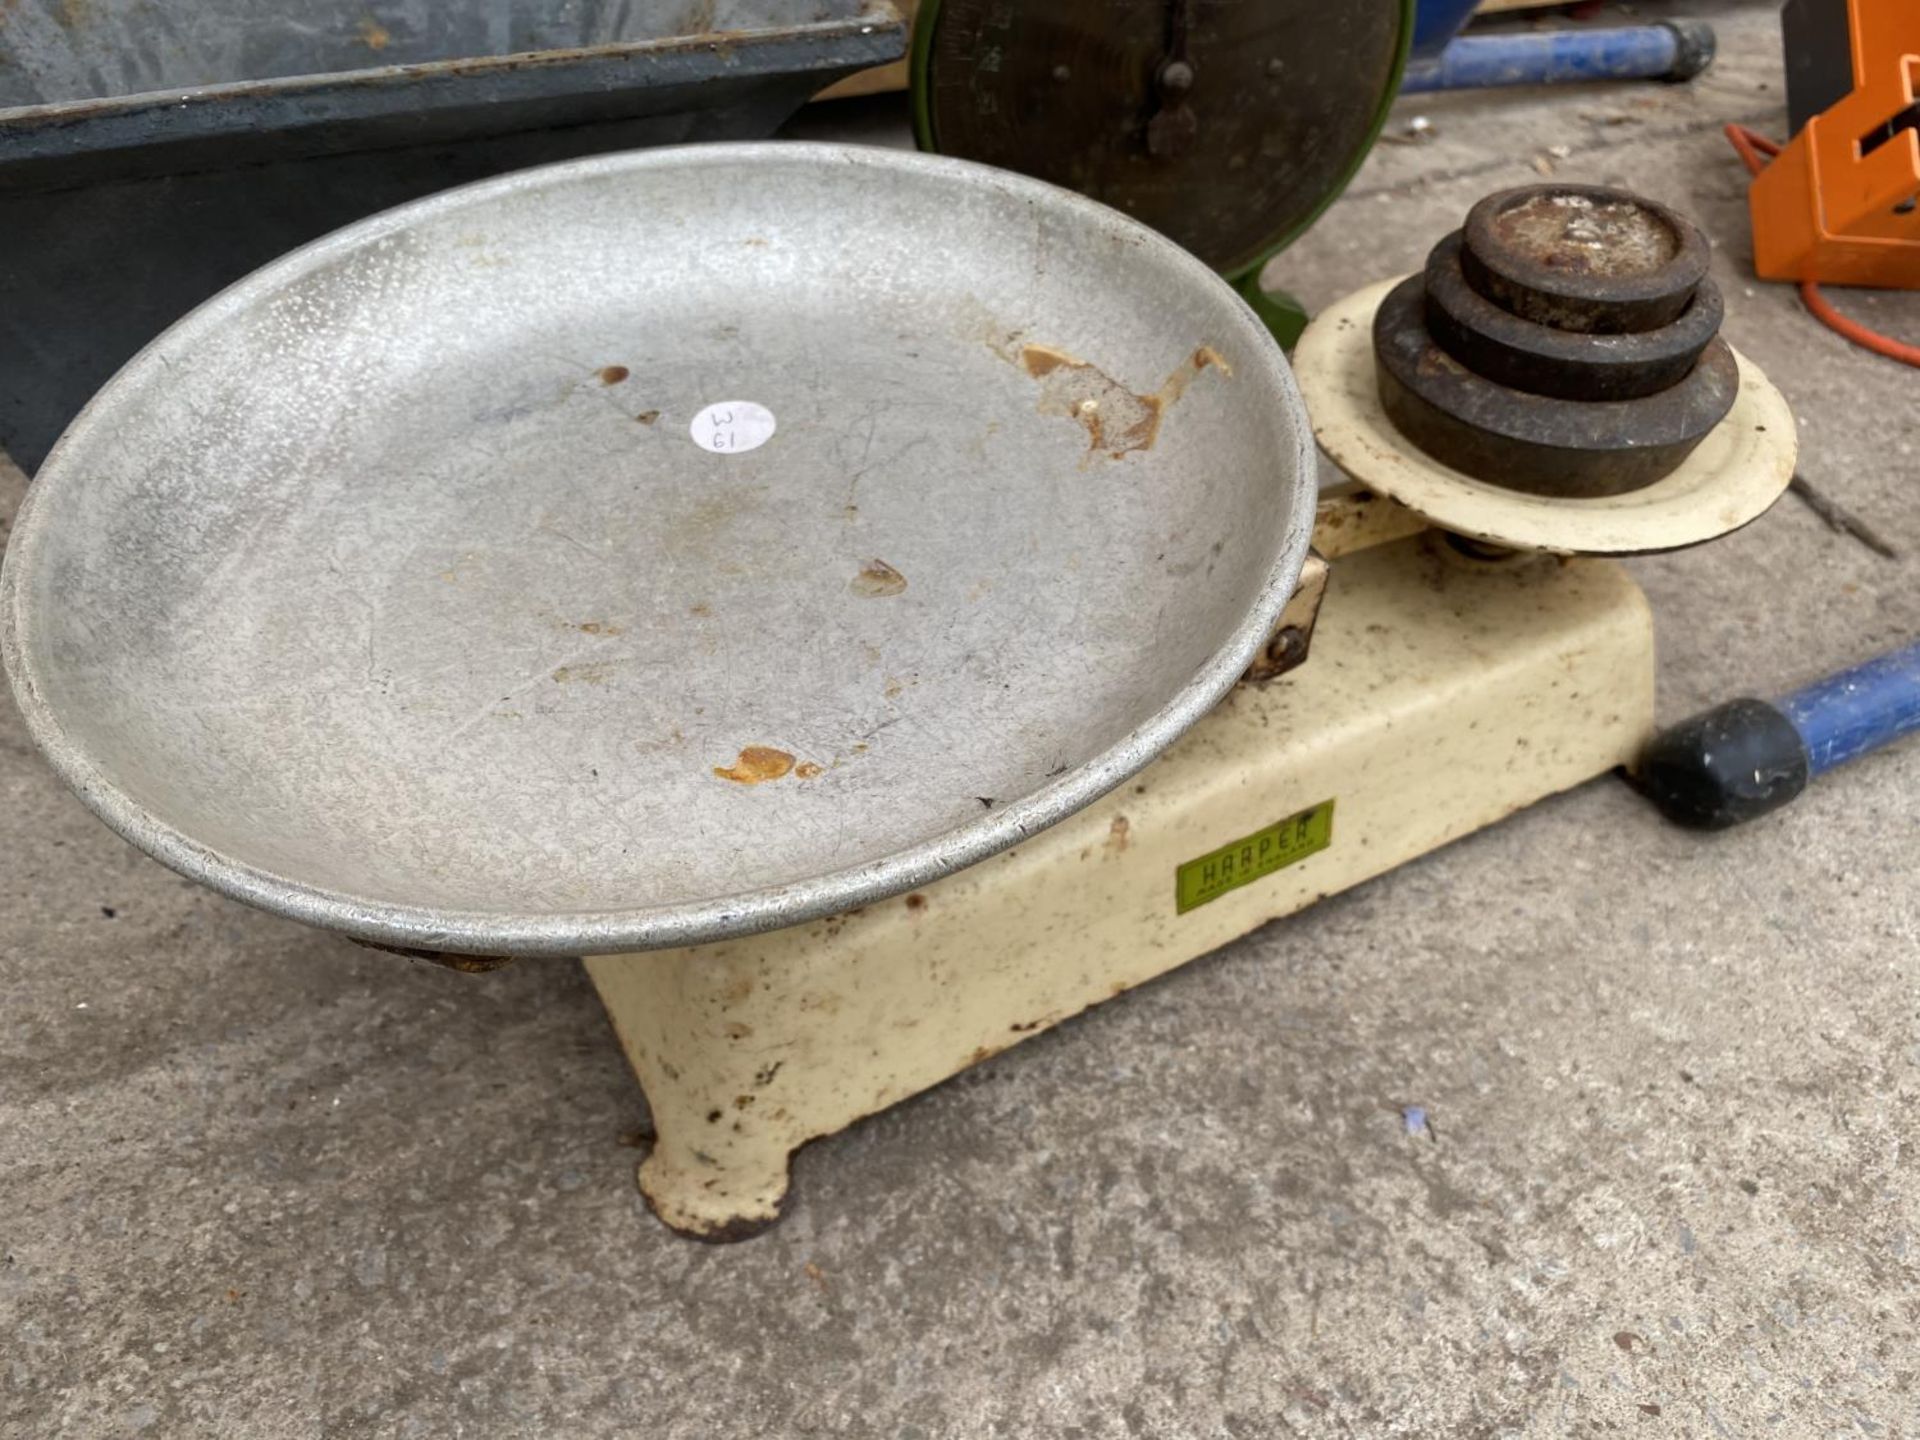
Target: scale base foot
[(719, 1202), (1442, 693)]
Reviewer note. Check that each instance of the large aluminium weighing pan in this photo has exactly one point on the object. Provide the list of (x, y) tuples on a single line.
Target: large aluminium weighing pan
[(429, 585)]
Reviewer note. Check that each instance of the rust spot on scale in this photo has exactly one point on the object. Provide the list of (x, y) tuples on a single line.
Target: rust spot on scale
[(647, 417), (877, 579), (1435, 361), (1117, 420), (614, 374), (1587, 235), (373, 34), (806, 770), (756, 765)]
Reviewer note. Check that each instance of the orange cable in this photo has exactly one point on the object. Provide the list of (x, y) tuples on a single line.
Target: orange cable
[(1755, 149), (1853, 330)]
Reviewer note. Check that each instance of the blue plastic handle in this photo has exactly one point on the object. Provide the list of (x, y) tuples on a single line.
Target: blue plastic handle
[(1747, 758), (1845, 715)]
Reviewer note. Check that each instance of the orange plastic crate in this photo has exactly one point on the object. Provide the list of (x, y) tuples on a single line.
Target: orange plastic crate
[(1838, 203)]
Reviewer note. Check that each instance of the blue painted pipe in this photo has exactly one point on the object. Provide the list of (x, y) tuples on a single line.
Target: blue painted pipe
[(1673, 50), (1747, 757)]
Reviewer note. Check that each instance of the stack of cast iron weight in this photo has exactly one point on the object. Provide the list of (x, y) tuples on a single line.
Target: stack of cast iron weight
[(1563, 343)]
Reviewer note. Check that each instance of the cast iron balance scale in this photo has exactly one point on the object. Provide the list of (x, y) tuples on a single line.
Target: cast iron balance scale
[(877, 645)]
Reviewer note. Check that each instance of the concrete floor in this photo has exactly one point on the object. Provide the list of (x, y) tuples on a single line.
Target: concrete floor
[(257, 1182)]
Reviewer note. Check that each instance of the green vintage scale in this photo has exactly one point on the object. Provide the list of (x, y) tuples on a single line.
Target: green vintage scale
[(1228, 127)]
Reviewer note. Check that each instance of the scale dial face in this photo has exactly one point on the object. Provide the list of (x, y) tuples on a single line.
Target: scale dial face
[(1224, 124)]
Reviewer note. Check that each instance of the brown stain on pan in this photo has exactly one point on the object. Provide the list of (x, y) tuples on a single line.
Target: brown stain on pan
[(592, 672), (756, 765), (1118, 421), (877, 579)]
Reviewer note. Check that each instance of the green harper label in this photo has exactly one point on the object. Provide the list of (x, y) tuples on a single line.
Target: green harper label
[(1261, 853)]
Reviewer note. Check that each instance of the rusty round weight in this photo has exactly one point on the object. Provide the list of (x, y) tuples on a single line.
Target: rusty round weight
[(1538, 444), (1583, 257), (1570, 364)]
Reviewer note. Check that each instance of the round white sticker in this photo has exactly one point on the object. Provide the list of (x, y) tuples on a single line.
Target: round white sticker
[(732, 426)]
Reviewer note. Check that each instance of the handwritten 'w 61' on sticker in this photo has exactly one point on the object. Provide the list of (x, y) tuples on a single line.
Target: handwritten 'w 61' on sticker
[(732, 427)]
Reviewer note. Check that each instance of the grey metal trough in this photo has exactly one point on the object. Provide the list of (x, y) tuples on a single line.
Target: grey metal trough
[(151, 155)]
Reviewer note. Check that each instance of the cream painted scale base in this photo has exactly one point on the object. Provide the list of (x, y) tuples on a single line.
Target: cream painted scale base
[(1447, 685), (1441, 693)]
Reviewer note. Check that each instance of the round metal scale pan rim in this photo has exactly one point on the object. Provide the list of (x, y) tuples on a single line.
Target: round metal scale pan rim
[(1730, 480), (729, 916)]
